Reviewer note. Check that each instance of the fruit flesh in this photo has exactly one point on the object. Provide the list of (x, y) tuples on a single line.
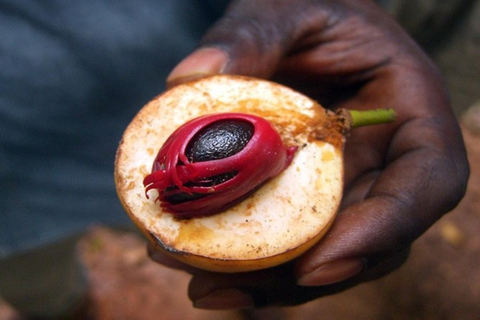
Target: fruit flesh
[(282, 219)]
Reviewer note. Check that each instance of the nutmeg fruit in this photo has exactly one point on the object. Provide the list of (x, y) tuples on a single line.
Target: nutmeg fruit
[(280, 219)]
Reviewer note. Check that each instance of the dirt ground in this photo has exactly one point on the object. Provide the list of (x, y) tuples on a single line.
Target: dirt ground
[(441, 279)]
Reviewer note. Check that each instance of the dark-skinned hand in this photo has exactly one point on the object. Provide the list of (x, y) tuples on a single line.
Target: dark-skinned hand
[(399, 178)]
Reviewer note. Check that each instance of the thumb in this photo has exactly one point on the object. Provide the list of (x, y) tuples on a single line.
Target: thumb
[(202, 62), (250, 39)]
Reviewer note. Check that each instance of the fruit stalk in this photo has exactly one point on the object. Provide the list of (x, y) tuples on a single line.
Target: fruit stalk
[(360, 118)]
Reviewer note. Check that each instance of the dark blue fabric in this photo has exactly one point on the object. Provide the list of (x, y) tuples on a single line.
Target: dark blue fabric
[(72, 75)]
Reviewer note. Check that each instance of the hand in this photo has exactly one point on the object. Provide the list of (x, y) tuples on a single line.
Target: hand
[(399, 179)]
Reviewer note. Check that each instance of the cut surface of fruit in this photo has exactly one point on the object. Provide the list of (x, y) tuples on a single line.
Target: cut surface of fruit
[(275, 224)]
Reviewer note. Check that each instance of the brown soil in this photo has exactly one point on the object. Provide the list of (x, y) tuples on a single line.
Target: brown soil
[(441, 279)]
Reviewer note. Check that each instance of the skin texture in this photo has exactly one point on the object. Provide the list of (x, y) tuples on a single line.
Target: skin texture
[(399, 178)]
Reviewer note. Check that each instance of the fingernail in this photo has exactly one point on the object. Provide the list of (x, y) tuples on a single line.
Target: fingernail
[(200, 63), (332, 272), (224, 299)]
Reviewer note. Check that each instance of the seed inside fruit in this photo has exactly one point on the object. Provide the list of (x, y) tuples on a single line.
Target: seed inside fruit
[(174, 196), (212, 162), (219, 140)]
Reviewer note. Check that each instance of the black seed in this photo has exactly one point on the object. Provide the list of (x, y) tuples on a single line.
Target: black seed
[(180, 197), (214, 180), (219, 140)]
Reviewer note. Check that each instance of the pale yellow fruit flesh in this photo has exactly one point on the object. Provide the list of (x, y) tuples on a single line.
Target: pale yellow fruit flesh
[(281, 220)]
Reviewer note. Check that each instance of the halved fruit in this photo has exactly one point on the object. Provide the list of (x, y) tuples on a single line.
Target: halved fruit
[(275, 224)]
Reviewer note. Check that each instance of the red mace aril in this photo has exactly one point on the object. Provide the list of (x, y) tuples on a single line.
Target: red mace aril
[(210, 163)]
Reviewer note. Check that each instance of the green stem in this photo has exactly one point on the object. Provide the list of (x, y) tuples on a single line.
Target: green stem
[(371, 117)]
